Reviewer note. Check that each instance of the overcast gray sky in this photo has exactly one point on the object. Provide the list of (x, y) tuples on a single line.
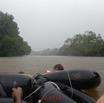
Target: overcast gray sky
[(48, 23)]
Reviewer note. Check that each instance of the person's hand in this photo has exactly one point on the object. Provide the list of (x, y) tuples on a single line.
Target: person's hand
[(17, 94), (101, 99)]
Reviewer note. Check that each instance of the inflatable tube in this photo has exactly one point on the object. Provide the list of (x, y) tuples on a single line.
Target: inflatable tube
[(8, 100), (77, 95), (50, 94), (7, 79), (79, 79)]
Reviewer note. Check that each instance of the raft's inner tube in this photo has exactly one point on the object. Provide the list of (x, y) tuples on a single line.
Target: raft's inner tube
[(79, 79), (8, 100), (76, 95), (50, 94), (7, 80)]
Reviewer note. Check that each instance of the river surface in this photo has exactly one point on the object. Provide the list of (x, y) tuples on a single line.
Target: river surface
[(39, 64)]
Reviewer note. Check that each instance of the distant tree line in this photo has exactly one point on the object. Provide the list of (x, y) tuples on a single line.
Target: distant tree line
[(46, 52), (11, 44), (87, 44)]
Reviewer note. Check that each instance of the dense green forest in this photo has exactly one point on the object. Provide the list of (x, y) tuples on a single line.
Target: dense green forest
[(86, 44), (11, 43)]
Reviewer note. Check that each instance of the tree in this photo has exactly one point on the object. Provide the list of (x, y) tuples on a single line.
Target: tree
[(7, 25), (87, 44), (11, 44)]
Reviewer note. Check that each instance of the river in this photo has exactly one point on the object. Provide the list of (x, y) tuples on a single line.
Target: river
[(39, 64)]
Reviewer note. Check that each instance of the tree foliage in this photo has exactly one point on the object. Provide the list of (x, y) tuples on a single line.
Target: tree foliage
[(11, 44), (87, 44)]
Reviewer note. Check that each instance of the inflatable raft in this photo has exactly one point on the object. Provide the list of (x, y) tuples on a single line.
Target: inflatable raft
[(79, 79), (60, 87)]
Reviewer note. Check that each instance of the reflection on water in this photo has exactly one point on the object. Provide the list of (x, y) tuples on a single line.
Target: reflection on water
[(33, 64), (93, 93)]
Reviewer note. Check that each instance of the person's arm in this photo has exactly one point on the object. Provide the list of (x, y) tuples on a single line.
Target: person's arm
[(101, 99), (17, 94)]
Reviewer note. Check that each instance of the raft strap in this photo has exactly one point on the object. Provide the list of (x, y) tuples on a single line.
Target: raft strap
[(2, 92), (70, 83), (39, 101), (54, 84), (33, 92)]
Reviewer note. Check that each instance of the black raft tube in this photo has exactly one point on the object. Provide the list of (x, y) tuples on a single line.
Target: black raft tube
[(50, 93), (77, 95), (80, 79)]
